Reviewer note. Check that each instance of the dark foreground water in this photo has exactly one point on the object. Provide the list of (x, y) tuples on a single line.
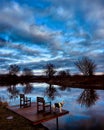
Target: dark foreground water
[(85, 106)]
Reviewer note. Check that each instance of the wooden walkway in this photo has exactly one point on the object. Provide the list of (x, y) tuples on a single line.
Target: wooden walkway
[(30, 113)]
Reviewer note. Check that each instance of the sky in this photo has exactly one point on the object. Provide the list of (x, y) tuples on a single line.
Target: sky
[(36, 32)]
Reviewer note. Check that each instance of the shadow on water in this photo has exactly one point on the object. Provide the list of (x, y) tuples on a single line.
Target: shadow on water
[(64, 87), (51, 92), (13, 91), (88, 97), (28, 87)]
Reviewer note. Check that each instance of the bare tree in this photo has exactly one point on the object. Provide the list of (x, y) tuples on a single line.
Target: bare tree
[(50, 70), (14, 69), (86, 66)]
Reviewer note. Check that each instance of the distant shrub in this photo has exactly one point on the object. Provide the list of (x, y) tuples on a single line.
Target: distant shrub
[(3, 103), (14, 69)]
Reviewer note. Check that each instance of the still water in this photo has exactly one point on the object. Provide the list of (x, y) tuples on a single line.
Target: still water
[(85, 106)]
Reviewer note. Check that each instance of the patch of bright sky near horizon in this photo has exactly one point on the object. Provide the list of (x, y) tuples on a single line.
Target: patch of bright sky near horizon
[(36, 32)]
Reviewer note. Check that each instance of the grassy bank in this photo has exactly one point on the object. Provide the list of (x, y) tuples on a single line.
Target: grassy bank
[(17, 123), (76, 81), (85, 82)]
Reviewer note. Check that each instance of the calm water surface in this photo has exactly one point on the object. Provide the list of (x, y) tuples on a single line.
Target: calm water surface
[(85, 106)]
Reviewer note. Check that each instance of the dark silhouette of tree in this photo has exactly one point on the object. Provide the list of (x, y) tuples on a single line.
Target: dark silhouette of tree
[(27, 72), (64, 73), (51, 92), (50, 70), (86, 66), (88, 97), (14, 69)]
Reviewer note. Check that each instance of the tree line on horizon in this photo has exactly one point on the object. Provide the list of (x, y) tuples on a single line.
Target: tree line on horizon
[(85, 65)]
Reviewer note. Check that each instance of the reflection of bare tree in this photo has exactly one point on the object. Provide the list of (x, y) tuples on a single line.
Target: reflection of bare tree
[(88, 97), (51, 92), (28, 88), (13, 91)]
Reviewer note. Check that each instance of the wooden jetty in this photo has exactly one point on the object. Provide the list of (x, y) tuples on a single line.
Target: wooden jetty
[(30, 113)]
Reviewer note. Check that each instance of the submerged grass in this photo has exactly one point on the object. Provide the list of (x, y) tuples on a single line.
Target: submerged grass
[(17, 123)]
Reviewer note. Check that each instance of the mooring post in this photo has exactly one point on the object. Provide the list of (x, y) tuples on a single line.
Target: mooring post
[(57, 126)]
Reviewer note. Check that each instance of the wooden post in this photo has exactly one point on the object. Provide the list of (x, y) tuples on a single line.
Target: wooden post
[(57, 126)]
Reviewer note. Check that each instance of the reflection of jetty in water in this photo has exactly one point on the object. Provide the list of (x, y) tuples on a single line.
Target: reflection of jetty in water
[(88, 97), (51, 92)]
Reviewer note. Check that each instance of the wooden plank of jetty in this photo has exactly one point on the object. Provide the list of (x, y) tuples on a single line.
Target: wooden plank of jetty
[(30, 113)]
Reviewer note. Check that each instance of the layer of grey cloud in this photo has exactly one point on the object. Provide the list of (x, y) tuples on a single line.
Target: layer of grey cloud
[(18, 21)]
